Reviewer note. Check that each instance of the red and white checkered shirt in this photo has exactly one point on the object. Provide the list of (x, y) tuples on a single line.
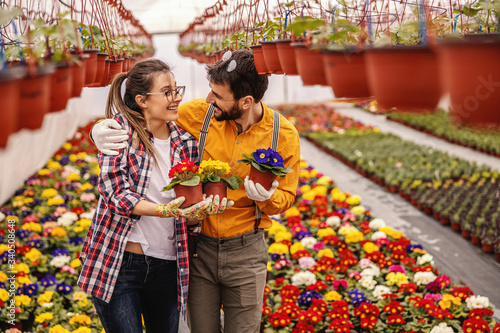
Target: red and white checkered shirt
[(123, 182)]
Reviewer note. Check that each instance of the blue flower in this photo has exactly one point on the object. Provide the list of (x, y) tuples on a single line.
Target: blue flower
[(413, 247), (31, 289), (19, 191), (20, 290), (46, 218), (302, 234), (23, 233), (64, 160), (64, 288), (68, 197), (357, 297), (306, 298), (36, 243), (261, 156), (48, 280), (76, 241), (275, 159), (277, 256), (60, 252)]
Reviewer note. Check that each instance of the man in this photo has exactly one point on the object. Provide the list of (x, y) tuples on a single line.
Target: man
[(228, 259)]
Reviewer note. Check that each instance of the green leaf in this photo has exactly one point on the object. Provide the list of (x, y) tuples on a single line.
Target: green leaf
[(234, 182), (192, 182)]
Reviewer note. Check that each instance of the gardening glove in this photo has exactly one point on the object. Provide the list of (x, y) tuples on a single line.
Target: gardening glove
[(197, 211), (218, 206), (109, 136), (171, 209), (257, 192)]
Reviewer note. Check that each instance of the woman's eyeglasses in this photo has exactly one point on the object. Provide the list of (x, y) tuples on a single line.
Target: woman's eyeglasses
[(171, 94)]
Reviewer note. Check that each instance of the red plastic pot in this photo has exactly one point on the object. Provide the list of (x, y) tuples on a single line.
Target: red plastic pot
[(271, 57), (91, 67), (215, 188), (10, 84), (105, 75), (286, 56), (193, 194), (263, 178), (61, 87), (78, 76), (115, 67), (309, 65), (101, 65), (258, 58)]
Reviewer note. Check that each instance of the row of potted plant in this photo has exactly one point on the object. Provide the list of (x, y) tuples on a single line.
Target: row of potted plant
[(336, 268), (54, 57), (438, 124)]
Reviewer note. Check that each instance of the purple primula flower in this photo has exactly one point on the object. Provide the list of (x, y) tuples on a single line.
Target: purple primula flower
[(261, 156), (275, 159)]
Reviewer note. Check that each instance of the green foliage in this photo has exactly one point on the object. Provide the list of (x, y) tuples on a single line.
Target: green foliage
[(303, 25)]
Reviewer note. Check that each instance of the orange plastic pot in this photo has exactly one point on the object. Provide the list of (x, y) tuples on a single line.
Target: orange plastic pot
[(258, 58), (309, 65), (78, 76), (101, 66), (61, 87), (115, 67), (404, 77), (105, 75), (286, 55), (215, 188), (346, 73), (91, 67), (10, 84), (263, 178), (271, 57), (193, 194)]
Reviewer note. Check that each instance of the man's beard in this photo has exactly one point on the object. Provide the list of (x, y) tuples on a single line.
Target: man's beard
[(233, 114)]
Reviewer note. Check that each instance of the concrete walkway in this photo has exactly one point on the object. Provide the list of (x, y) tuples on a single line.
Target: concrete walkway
[(454, 256), (410, 134)]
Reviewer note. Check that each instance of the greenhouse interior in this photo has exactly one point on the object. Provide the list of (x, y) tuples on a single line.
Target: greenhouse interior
[(359, 185)]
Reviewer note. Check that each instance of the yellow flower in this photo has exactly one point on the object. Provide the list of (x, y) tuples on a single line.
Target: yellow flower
[(292, 211), (80, 319), (215, 167), (3, 248), (28, 200), (314, 222), (75, 263), (269, 267), (278, 248), (46, 297), (313, 173), (391, 232), (397, 278), (21, 267), (83, 303), (74, 177), (86, 186), (43, 317), (49, 192), (296, 247), (84, 223), (55, 201), (353, 200), (354, 236), (303, 164), (305, 188), (3, 276), (326, 232), (73, 157), (325, 253), (4, 295), (33, 226), (58, 329), (324, 180), (58, 232), (97, 170), (283, 235), (79, 295), (304, 173), (78, 229), (369, 247), (82, 330), (333, 296), (81, 155), (338, 196), (23, 280), (445, 303), (344, 230), (358, 210), (67, 146), (43, 172), (53, 165), (22, 300), (275, 228), (376, 129)]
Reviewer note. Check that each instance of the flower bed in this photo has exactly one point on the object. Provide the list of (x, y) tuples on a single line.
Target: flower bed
[(336, 268), (439, 125)]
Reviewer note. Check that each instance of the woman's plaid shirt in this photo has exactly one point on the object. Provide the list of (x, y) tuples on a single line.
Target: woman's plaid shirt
[(123, 182)]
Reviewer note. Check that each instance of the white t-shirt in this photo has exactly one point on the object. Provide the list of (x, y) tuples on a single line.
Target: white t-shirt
[(157, 235)]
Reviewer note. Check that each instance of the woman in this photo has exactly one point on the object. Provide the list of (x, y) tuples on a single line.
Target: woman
[(135, 252)]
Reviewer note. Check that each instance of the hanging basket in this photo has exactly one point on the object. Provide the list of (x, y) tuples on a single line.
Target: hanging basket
[(309, 65), (470, 73), (193, 194), (61, 87), (404, 77), (286, 55), (271, 57), (258, 58), (91, 67), (346, 73), (10, 84)]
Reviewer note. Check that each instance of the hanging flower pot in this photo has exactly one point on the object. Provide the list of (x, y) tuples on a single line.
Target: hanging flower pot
[(35, 98), (193, 194), (258, 58), (10, 81), (126, 64), (309, 65), (115, 67), (101, 64), (91, 67), (404, 77), (286, 55), (271, 57), (215, 188), (345, 72), (79, 76), (61, 87), (470, 73), (105, 74)]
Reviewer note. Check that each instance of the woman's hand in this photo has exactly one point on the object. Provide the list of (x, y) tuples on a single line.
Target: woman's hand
[(197, 211), (171, 209)]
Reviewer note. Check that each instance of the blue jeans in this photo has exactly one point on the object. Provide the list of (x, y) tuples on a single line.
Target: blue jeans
[(146, 286)]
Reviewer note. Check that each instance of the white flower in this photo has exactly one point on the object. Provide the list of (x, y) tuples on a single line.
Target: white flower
[(2, 216), (364, 263), (333, 221), (68, 170), (303, 278), (381, 290), (376, 224), (371, 271), (308, 242), (378, 234), (60, 261), (477, 302), (368, 282), (88, 215), (426, 258), (442, 328), (47, 304), (306, 263), (67, 219), (424, 278)]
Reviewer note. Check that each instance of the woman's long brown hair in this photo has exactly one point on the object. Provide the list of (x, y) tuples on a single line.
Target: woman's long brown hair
[(140, 80)]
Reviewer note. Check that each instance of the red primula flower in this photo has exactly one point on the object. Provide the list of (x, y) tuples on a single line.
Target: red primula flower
[(408, 287), (293, 220), (395, 319), (318, 286), (280, 320), (300, 254), (480, 313), (341, 326), (475, 325), (289, 292), (319, 306), (462, 292), (303, 327), (394, 307), (496, 328)]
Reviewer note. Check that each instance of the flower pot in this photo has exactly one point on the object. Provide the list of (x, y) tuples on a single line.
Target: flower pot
[(10, 85), (471, 75), (78, 76), (115, 67), (91, 67), (475, 240), (455, 226), (61, 87), (101, 66), (193, 194), (465, 234), (258, 58), (497, 256), (309, 65), (487, 248), (271, 57), (215, 188), (445, 221), (263, 178), (286, 55), (404, 77), (105, 74), (35, 98), (346, 73)]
